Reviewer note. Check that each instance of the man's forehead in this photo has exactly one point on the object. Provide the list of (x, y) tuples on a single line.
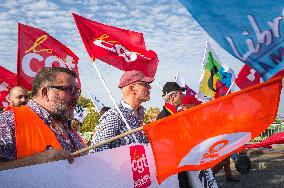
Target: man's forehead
[(64, 78), (18, 91)]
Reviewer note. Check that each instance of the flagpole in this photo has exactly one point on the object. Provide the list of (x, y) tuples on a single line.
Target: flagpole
[(108, 91), (159, 84), (76, 153), (233, 83), (92, 99)]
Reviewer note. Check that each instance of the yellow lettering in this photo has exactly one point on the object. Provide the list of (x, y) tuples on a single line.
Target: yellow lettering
[(38, 41), (105, 36)]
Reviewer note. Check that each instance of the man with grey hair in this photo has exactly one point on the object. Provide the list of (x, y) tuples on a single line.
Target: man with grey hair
[(41, 131), (18, 96), (135, 89), (172, 94)]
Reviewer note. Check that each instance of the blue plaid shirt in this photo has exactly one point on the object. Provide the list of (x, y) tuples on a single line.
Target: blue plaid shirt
[(7, 133), (111, 124)]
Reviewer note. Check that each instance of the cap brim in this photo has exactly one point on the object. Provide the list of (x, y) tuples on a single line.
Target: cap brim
[(183, 88), (147, 79)]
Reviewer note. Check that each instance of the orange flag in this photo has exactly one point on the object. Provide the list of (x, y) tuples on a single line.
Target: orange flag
[(201, 137)]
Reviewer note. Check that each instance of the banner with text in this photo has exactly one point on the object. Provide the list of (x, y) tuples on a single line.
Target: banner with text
[(37, 49), (251, 31)]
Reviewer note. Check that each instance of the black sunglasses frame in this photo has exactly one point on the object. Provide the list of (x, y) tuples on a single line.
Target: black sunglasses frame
[(72, 90)]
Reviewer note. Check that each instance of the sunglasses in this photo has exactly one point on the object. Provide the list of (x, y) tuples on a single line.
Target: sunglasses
[(72, 90)]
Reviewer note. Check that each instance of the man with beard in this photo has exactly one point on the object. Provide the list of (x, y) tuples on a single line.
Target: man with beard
[(41, 131), (18, 96), (135, 89)]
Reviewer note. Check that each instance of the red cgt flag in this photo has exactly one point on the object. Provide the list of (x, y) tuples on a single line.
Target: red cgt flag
[(247, 77), (37, 49), (123, 49), (202, 136), (8, 80)]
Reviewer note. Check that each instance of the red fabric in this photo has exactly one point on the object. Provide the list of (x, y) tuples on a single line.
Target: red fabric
[(189, 99), (170, 108), (201, 137), (37, 49), (123, 49), (8, 80), (189, 91), (247, 77), (222, 89), (280, 73), (277, 138)]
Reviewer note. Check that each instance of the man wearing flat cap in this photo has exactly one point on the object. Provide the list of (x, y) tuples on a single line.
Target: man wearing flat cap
[(135, 89), (172, 94)]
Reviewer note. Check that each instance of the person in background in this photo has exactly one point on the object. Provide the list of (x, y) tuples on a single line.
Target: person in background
[(172, 94), (18, 96), (227, 170), (41, 131), (104, 110), (135, 89)]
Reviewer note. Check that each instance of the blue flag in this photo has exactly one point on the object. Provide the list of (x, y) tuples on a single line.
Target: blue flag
[(251, 30)]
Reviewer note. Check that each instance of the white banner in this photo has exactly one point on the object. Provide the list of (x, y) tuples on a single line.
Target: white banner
[(127, 166)]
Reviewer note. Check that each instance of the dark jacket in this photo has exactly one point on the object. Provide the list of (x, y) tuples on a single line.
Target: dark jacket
[(163, 113), (183, 179)]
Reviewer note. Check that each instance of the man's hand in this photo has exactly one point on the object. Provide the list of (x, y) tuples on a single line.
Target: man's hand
[(43, 157), (55, 155)]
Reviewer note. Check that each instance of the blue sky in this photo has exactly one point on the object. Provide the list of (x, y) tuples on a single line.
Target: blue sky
[(168, 29)]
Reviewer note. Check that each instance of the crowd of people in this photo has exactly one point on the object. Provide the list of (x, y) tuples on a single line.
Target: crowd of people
[(42, 129)]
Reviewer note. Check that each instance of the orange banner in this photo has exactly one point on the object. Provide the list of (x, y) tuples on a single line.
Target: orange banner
[(201, 137)]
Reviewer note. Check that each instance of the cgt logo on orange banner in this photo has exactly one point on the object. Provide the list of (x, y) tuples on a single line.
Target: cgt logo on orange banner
[(215, 147)]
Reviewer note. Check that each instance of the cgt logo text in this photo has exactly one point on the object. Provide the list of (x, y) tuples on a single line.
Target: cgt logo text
[(214, 148), (140, 167), (117, 48), (32, 58)]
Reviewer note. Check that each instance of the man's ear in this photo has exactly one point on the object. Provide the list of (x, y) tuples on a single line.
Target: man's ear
[(132, 89), (43, 92), (9, 98)]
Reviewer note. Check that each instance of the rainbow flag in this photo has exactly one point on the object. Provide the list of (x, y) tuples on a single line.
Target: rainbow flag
[(216, 78)]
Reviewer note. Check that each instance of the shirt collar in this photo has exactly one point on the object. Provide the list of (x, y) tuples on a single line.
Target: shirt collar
[(40, 111), (129, 108), (125, 105)]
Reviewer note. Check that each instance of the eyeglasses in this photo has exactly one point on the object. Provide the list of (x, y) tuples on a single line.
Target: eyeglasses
[(23, 96), (146, 84), (72, 90)]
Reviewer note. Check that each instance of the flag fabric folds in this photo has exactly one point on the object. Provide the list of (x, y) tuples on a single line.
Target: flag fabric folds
[(250, 31), (277, 138), (216, 78), (123, 49), (247, 77), (180, 81), (204, 135), (8, 80), (37, 49)]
